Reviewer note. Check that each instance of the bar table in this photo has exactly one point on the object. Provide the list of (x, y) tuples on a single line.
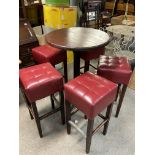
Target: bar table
[(77, 39)]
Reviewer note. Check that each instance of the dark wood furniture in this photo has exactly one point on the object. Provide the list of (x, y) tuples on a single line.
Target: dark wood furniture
[(91, 94), (32, 11), (47, 53), (27, 40), (38, 82), (78, 40), (91, 10), (22, 9), (119, 71)]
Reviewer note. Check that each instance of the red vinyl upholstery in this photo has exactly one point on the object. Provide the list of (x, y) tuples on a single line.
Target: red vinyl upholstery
[(47, 53), (92, 54), (40, 81), (116, 69), (90, 93)]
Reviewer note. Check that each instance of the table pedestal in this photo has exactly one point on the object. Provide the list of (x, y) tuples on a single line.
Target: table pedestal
[(76, 63)]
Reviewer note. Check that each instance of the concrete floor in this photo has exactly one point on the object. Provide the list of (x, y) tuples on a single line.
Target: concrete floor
[(120, 139)]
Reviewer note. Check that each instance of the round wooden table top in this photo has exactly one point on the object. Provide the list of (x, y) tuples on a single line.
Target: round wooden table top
[(77, 38)]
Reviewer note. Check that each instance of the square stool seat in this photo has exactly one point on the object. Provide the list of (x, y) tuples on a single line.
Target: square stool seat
[(90, 93), (47, 53), (40, 81), (116, 69)]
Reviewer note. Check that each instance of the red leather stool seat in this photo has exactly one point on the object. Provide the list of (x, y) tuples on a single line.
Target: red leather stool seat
[(47, 53), (90, 93), (92, 54), (40, 81), (116, 69)]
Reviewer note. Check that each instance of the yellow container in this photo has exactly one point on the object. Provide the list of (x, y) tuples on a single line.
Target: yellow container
[(70, 16), (69, 56), (60, 17), (55, 19), (51, 16)]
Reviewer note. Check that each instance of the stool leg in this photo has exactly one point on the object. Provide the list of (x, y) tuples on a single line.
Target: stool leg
[(52, 102), (86, 67), (119, 85), (108, 115), (65, 71), (121, 100), (62, 107), (28, 104), (34, 107), (89, 134), (31, 116), (85, 116), (68, 116)]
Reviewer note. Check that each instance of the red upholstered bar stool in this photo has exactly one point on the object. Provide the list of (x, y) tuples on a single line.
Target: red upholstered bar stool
[(47, 53), (40, 81), (90, 94), (90, 55), (118, 70)]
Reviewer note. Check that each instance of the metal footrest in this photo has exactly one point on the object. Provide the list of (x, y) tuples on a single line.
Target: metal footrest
[(77, 128)]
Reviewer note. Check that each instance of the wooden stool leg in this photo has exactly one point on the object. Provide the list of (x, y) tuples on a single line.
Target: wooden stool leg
[(31, 116), (27, 103), (86, 67), (121, 100), (108, 115), (62, 107), (119, 85), (89, 134), (68, 116), (34, 107), (85, 116), (52, 103), (65, 71)]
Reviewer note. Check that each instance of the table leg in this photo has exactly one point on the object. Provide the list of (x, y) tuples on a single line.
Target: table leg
[(76, 63)]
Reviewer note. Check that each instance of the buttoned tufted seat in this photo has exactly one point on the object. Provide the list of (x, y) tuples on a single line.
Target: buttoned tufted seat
[(47, 53), (118, 70), (91, 94), (40, 81), (90, 55)]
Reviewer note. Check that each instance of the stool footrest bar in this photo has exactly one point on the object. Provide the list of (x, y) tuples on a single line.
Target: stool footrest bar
[(74, 111), (99, 126), (77, 128), (92, 66), (100, 115), (50, 113)]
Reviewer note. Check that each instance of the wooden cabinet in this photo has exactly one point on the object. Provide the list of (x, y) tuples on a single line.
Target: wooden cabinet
[(32, 10), (27, 41)]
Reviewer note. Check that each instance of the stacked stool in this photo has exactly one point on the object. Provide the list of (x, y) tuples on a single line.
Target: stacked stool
[(47, 53), (90, 94), (117, 70), (40, 81), (90, 55)]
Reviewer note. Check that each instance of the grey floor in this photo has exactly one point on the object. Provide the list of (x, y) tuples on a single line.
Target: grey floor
[(120, 139)]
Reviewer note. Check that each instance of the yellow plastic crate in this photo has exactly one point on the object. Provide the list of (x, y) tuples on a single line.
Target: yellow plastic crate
[(60, 17), (69, 56), (70, 16), (51, 16)]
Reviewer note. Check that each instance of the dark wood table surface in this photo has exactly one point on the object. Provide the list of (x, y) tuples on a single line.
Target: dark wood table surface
[(78, 40)]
